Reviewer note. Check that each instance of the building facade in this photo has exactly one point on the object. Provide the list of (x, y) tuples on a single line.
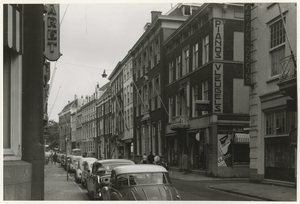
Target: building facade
[(204, 66), (24, 101), (117, 111), (128, 106), (148, 83), (273, 97), (67, 125)]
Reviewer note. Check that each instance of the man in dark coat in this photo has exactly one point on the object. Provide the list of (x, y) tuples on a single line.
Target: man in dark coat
[(150, 158)]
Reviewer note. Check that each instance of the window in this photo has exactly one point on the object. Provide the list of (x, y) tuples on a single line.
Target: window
[(195, 56), (241, 149), (170, 109), (12, 83), (157, 94), (138, 141), (153, 138), (205, 52), (185, 64), (178, 67), (170, 72), (157, 50), (277, 46), (159, 138), (195, 97), (279, 122), (204, 94)]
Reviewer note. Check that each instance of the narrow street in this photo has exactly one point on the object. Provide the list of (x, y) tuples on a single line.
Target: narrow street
[(58, 188)]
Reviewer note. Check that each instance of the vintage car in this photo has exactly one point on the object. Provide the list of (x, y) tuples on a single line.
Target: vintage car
[(81, 168), (73, 165), (140, 182), (100, 175)]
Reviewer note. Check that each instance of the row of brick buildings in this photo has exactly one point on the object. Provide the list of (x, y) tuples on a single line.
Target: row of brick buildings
[(187, 85)]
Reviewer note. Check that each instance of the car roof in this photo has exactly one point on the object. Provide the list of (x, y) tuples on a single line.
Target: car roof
[(139, 168), (112, 161), (75, 156), (88, 159)]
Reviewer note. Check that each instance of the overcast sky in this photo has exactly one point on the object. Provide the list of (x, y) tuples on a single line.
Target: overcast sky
[(94, 37)]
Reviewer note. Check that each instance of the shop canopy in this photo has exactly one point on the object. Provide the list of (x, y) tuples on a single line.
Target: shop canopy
[(241, 138)]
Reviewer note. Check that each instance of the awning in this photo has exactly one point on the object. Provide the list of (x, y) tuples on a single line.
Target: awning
[(241, 138)]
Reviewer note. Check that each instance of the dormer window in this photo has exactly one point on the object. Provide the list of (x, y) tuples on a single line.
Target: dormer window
[(186, 10)]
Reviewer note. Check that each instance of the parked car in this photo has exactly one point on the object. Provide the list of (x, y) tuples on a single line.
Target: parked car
[(100, 175), (73, 165), (81, 167), (140, 182)]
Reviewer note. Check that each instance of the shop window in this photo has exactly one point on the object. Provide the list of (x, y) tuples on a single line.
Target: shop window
[(279, 122), (241, 149)]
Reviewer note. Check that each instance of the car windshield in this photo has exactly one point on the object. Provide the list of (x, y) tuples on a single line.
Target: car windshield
[(152, 178), (109, 167)]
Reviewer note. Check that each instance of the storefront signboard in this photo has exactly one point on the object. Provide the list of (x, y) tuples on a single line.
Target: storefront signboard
[(218, 41), (52, 32), (218, 88)]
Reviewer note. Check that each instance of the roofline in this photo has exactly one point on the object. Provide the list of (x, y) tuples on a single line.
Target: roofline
[(159, 18)]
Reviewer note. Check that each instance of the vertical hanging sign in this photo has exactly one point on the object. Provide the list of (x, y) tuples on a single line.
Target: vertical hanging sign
[(52, 32), (217, 87), (247, 44), (218, 39)]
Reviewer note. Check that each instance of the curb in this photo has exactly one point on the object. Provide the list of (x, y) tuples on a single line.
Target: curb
[(243, 194)]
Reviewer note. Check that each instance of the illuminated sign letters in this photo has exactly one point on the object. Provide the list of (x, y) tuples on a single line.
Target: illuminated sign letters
[(52, 33)]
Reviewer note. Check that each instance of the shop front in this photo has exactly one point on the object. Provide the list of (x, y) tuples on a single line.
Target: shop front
[(279, 159)]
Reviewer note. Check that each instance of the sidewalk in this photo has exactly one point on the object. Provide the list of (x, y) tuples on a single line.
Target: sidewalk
[(267, 192), (58, 188)]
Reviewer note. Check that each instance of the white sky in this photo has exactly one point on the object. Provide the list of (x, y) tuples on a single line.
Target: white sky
[(94, 37)]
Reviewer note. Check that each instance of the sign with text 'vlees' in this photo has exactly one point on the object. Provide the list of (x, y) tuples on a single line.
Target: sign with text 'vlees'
[(52, 32)]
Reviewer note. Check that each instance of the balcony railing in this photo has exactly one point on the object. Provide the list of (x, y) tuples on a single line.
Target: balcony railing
[(180, 122), (289, 70), (288, 79)]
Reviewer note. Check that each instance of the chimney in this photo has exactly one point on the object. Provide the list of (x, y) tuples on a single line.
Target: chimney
[(154, 14)]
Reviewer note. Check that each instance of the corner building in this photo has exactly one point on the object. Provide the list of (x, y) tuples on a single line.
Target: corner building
[(207, 101)]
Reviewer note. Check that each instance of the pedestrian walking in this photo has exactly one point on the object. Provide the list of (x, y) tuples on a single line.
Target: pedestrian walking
[(55, 158), (51, 158), (185, 163), (144, 160), (150, 158)]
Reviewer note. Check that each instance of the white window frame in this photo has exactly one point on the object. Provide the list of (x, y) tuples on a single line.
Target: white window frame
[(185, 64), (277, 47), (205, 92), (205, 49), (195, 56)]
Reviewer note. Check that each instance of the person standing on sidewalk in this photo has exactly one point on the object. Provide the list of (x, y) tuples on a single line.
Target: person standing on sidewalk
[(51, 158), (144, 160), (55, 158), (150, 158), (185, 163)]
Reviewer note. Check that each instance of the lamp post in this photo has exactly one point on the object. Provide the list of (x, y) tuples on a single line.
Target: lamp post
[(66, 140)]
